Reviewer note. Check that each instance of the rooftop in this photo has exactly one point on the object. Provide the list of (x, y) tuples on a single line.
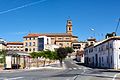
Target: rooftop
[(48, 35), (14, 43)]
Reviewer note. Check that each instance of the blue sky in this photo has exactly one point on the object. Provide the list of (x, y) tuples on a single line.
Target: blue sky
[(19, 17)]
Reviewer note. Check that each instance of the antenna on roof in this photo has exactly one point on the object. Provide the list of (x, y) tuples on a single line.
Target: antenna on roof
[(117, 25)]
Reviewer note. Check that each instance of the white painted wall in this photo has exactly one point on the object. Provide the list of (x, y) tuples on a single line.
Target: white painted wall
[(108, 51)]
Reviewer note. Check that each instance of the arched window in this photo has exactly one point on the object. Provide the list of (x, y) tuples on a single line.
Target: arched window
[(26, 49), (69, 28)]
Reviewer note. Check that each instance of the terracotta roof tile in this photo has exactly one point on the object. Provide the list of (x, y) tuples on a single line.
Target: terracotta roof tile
[(49, 35), (15, 43)]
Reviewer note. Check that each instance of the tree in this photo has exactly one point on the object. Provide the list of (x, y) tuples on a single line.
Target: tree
[(35, 55), (69, 50), (2, 55), (47, 55), (61, 54)]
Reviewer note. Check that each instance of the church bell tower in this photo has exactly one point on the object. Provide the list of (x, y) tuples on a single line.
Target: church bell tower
[(69, 27)]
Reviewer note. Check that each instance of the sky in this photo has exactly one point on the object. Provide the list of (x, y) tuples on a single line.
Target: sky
[(90, 18)]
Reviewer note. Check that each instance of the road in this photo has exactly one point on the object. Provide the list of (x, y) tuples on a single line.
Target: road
[(72, 72)]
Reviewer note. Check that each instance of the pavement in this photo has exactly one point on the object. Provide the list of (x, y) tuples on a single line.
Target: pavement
[(51, 66), (72, 71)]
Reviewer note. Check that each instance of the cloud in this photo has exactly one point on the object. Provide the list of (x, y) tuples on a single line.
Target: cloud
[(23, 6)]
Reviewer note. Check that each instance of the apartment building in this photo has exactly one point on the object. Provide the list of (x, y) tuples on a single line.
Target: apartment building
[(104, 54), (14, 46), (59, 39)]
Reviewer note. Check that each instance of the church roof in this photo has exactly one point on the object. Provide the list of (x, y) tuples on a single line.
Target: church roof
[(49, 35)]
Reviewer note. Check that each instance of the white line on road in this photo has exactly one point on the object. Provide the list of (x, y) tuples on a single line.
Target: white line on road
[(15, 78), (75, 77), (68, 79), (70, 68), (74, 68), (115, 76)]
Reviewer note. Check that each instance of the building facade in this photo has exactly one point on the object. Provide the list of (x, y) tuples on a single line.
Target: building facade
[(79, 50), (59, 39), (15, 46), (104, 54), (2, 44)]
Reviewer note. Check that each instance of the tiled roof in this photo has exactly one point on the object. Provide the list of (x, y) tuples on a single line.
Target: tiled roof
[(15, 43), (49, 35)]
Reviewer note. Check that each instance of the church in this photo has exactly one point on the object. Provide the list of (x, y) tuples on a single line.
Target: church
[(61, 39)]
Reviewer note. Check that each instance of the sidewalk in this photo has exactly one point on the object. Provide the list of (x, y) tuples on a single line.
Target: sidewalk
[(51, 66)]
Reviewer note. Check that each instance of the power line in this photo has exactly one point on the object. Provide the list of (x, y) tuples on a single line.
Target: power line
[(26, 5), (117, 25)]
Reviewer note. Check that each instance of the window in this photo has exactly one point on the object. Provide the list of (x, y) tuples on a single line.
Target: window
[(34, 38), (119, 56), (59, 38), (30, 44), (33, 43), (67, 43), (60, 44), (47, 41), (26, 44), (33, 49), (30, 49), (102, 59), (30, 38), (111, 58), (26, 49), (52, 38), (110, 45), (69, 28), (67, 38)]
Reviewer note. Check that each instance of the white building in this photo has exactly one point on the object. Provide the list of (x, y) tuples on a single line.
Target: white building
[(104, 54), (51, 47), (15, 46), (42, 42), (79, 50), (2, 44)]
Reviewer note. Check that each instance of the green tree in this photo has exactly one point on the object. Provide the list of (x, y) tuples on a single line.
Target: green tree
[(45, 55), (2, 56), (35, 55), (61, 54), (69, 50)]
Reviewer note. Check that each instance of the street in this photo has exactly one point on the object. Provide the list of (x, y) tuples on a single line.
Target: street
[(72, 72)]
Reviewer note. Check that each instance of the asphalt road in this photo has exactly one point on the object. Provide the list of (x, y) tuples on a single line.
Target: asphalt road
[(72, 72)]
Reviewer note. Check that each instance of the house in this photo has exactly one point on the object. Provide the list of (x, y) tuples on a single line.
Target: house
[(104, 54)]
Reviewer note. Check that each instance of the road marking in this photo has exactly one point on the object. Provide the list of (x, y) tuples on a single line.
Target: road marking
[(75, 77), (15, 78), (70, 68), (68, 79), (79, 68), (83, 71), (74, 68), (115, 76)]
